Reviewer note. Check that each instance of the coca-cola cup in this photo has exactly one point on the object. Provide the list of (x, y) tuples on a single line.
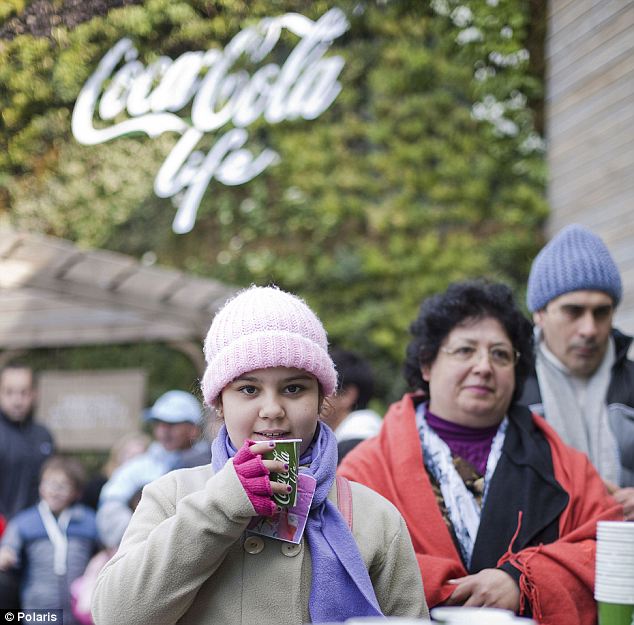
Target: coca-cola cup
[(286, 451)]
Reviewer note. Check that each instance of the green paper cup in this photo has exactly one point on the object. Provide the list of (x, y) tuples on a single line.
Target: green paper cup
[(615, 613), (286, 451)]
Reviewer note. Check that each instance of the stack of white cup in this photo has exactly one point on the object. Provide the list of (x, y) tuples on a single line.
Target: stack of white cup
[(614, 581)]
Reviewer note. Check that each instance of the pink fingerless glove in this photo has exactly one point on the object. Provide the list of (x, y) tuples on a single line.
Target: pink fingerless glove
[(254, 477)]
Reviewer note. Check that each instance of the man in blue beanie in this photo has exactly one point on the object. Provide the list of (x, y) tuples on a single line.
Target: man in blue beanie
[(583, 382)]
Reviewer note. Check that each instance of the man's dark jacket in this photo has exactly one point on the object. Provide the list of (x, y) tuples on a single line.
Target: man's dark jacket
[(23, 449)]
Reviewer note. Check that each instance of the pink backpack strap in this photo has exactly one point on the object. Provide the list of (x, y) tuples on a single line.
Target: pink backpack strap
[(344, 499)]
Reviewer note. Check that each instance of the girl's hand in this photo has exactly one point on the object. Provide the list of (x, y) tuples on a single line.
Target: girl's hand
[(273, 466), (253, 473)]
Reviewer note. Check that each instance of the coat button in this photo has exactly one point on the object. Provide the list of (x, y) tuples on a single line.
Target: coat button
[(253, 545), (291, 549)]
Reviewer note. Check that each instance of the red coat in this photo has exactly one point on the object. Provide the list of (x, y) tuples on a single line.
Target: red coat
[(557, 573)]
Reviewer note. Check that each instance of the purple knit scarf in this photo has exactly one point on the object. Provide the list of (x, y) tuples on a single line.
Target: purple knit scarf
[(341, 587)]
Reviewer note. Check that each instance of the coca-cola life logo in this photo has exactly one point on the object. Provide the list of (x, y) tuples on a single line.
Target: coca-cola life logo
[(150, 96)]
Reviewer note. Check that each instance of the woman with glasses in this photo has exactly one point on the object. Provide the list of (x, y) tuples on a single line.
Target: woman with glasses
[(501, 512)]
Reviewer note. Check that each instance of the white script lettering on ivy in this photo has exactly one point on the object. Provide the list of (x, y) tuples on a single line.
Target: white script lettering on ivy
[(221, 93)]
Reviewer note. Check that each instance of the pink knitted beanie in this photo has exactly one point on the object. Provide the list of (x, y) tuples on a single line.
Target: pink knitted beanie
[(265, 327)]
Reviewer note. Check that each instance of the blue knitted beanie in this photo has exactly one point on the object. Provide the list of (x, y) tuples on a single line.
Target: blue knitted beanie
[(575, 259)]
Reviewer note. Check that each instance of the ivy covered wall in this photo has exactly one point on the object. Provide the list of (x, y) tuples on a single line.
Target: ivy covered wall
[(427, 168)]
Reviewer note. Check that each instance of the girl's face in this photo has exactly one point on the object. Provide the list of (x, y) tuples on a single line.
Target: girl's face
[(272, 403)]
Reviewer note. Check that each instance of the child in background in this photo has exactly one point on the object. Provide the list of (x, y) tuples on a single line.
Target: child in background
[(51, 543), (188, 556)]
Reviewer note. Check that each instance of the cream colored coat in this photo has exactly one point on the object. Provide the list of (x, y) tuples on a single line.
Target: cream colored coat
[(184, 559)]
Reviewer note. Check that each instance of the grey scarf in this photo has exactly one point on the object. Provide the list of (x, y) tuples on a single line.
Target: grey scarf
[(576, 408)]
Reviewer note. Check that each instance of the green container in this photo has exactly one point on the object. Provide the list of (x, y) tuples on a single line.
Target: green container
[(615, 613), (286, 451)]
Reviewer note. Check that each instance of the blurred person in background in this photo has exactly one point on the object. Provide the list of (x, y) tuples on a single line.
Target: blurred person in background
[(125, 448), (502, 513), (351, 419), (51, 543), (176, 418), (583, 381), (24, 446)]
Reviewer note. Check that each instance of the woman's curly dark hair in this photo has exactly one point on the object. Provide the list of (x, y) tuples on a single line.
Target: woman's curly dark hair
[(476, 299)]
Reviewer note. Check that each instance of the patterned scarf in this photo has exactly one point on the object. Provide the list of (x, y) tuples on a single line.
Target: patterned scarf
[(463, 509), (341, 587)]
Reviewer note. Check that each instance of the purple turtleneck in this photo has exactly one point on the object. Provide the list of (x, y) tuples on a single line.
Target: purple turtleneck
[(472, 444)]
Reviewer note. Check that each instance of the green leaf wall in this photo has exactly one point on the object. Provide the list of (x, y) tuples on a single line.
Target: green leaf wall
[(407, 182)]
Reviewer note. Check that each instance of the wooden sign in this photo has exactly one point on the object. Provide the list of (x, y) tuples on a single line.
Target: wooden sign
[(90, 410)]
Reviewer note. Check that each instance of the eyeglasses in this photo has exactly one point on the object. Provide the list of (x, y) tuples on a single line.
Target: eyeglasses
[(499, 356)]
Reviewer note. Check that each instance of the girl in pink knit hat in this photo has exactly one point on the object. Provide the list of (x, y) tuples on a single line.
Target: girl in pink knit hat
[(210, 545)]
